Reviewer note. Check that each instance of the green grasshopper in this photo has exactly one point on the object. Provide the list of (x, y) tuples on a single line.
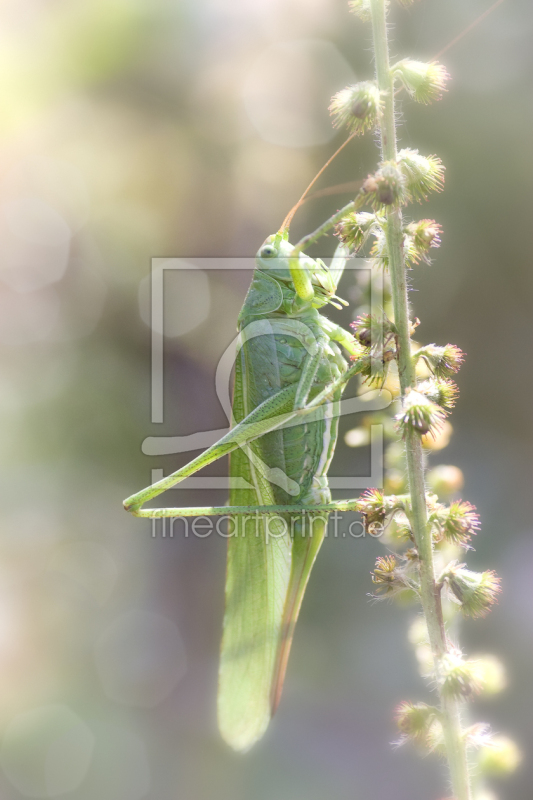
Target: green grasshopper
[(289, 377)]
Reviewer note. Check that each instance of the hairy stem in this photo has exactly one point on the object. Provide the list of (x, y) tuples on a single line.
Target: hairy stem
[(430, 593)]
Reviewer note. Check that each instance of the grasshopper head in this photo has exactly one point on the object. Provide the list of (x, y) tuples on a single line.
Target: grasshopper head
[(274, 257)]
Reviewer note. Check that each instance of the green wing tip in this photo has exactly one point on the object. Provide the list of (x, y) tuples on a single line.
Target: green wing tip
[(241, 736)]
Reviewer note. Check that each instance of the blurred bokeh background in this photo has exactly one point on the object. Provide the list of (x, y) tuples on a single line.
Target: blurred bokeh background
[(140, 128)]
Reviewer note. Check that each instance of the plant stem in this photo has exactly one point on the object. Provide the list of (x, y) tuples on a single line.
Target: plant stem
[(430, 593)]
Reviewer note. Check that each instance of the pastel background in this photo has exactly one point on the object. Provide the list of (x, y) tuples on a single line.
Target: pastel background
[(138, 128)]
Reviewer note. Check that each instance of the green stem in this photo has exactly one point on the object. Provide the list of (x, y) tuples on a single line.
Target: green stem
[(430, 593)]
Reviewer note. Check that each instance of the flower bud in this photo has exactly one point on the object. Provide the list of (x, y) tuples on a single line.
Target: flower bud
[(362, 327), (372, 331), (393, 579), (442, 392), (375, 507), (385, 573), (475, 591), (425, 82), (354, 229), (421, 237), (357, 107), (380, 250), (371, 506), (457, 677), (414, 721), (499, 756), (419, 414), (387, 186), (442, 361), (423, 174), (372, 369), (425, 233), (456, 523)]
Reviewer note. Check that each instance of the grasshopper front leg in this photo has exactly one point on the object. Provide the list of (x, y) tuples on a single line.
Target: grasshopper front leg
[(271, 414), (276, 412)]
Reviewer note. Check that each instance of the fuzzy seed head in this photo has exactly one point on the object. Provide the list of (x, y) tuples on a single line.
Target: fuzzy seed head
[(372, 369), (380, 250), (357, 107), (384, 572), (442, 361), (354, 229), (476, 592), (387, 186), (455, 524), (458, 677), (391, 578), (370, 330), (425, 82), (371, 506), (374, 507), (441, 391), (419, 414), (423, 174), (414, 721), (421, 237), (425, 233), (461, 521), (363, 328)]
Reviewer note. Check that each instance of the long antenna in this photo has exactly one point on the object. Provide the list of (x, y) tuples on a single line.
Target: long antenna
[(288, 219), (468, 28)]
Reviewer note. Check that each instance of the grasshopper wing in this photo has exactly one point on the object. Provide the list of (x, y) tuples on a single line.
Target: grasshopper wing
[(257, 581)]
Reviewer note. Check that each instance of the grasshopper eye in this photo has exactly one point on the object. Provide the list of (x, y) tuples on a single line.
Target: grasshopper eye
[(268, 251)]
